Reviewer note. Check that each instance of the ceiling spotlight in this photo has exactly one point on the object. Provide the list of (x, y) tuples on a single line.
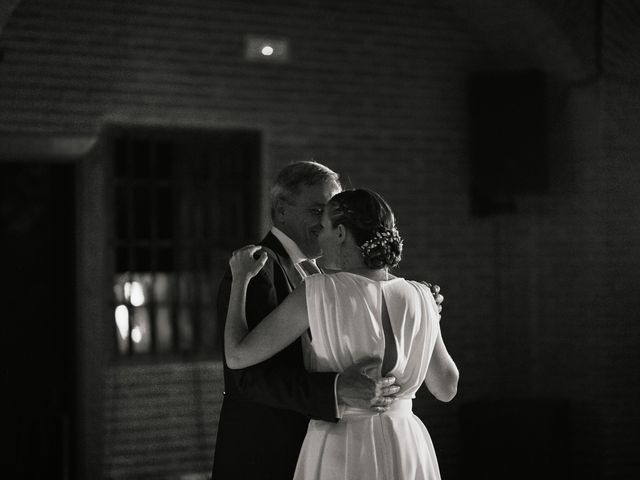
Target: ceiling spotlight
[(261, 49)]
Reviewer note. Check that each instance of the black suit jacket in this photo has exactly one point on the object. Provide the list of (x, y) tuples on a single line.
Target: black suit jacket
[(266, 407)]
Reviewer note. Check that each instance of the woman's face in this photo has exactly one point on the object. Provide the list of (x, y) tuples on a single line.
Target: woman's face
[(328, 241)]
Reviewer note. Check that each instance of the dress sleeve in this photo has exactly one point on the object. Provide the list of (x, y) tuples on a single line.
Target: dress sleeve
[(322, 307), (430, 302), (430, 315)]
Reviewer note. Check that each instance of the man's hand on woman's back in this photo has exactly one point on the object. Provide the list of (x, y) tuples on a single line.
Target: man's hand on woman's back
[(357, 389)]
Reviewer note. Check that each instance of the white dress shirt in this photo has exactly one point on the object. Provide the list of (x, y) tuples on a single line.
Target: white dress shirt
[(296, 256), (292, 249)]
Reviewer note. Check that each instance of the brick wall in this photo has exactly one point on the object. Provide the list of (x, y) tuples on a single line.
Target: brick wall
[(621, 172), (538, 304), (160, 420)]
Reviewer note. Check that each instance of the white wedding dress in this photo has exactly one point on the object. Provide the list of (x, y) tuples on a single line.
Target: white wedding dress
[(346, 327)]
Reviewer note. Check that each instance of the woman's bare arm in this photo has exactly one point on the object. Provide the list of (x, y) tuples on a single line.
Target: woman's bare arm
[(275, 332), (442, 375)]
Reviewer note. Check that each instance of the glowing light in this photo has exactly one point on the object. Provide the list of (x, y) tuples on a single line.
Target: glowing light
[(136, 334), (267, 50), (136, 294), (122, 321)]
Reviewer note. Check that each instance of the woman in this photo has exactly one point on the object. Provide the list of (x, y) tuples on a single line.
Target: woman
[(359, 311)]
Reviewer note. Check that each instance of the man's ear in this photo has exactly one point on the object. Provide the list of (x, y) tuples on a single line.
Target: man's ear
[(279, 208)]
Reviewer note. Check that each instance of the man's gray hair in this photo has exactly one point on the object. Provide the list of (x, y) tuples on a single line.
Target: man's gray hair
[(297, 174)]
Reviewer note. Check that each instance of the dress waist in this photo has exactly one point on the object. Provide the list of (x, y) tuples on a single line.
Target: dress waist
[(402, 406)]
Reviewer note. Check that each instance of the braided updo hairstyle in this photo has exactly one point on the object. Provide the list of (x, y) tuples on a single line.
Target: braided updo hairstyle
[(370, 220)]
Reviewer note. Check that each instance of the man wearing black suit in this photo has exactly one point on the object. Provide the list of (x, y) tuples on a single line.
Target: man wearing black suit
[(266, 408)]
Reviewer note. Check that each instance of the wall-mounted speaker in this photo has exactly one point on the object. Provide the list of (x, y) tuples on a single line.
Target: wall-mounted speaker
[(507, 138)]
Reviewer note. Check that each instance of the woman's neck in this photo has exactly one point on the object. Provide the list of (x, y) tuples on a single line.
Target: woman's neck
[(371, 273), (355, 264), (349, 259)]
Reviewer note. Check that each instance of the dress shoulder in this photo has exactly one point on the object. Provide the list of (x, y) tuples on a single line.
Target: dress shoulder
[(427, 295)]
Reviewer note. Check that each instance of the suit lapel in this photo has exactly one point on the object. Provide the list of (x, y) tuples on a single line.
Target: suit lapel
[(282, 258), (293, 277)]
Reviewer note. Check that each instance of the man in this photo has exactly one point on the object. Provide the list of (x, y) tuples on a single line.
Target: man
[(266, 408)]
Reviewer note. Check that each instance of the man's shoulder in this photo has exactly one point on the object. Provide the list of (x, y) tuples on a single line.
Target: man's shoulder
[(273, 271), (271, 243), (277, 255), (271, 268)]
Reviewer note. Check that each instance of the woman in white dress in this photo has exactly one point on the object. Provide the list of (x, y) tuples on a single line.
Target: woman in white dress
[(358, 311)]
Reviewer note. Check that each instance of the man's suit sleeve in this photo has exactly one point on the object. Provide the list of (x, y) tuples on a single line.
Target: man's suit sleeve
[(282, 380)]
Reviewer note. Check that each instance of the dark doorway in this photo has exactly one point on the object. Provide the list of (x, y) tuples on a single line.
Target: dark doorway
[(37, 214)]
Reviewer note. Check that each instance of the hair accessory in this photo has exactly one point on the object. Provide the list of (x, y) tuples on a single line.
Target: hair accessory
[(382, 242)]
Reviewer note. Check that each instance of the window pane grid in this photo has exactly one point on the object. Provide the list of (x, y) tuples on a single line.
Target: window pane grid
[(177, 209)]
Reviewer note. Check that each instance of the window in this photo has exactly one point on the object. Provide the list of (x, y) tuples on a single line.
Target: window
[(182, 202)]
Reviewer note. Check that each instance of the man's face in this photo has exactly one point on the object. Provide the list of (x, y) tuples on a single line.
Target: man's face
[(301, 218)]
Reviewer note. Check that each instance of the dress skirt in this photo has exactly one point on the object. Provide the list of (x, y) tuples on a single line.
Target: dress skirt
[(368, 446)]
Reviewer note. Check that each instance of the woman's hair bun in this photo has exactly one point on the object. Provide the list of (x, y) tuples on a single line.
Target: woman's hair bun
[(384, 249), (371, 222)]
